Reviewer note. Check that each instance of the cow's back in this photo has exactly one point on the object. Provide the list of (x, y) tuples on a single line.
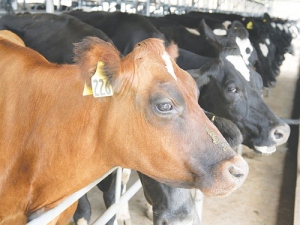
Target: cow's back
[(39, 31)]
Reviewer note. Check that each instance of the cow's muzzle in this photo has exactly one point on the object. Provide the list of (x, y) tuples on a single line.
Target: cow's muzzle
[(228, 176), (279, 135)]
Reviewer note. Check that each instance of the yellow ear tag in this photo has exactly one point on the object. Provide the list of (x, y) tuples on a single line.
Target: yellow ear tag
[(87, 90), (100, 84), (249, 25), (264, 20)]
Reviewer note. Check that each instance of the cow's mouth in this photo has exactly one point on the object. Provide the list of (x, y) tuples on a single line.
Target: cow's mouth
[(265, 149)]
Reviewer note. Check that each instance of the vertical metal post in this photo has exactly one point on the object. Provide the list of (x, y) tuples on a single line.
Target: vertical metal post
[(199, 203), (80, 4), (148, 8), (49, 6), (113, 209), (59, 5), (118, 184), (240, 149), (24, 5)]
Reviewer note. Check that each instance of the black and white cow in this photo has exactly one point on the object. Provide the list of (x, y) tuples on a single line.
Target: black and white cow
[(278, 40)]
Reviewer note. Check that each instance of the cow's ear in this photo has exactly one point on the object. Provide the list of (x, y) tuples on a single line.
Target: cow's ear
[(203, 75), (210, 36), (172, 50), (94, 55)]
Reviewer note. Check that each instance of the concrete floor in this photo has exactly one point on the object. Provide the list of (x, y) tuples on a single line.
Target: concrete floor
[(257, 201)]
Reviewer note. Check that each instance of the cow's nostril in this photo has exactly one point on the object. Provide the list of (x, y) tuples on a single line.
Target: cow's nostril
[(164, 222), (236, 172), (272, 83), (278, 134)]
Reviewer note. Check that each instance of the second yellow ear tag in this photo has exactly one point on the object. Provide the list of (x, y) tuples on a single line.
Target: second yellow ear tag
[(100, 85), (249, 25)]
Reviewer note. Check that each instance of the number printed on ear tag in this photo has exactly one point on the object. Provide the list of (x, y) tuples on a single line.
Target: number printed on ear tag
[(100, 84)]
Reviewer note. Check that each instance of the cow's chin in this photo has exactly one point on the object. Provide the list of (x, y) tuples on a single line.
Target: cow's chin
[(266, 150)]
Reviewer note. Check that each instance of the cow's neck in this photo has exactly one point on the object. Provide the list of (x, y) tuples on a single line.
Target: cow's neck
[(64, 139)]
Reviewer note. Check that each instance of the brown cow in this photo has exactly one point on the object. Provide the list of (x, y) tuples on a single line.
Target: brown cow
[(54, 141), (12, 37)]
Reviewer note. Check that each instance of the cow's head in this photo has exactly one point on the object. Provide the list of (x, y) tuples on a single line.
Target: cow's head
[(175, 205), (266, 66), (170, 205), (236, 36), (231, 89), (153, 122)]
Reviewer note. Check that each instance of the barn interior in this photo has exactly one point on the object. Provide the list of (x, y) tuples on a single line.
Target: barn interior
[(271, 192)]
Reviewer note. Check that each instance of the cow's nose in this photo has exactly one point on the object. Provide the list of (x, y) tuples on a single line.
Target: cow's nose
[(236, 172), (277, 71), (238, 169), (272, 83), (164, 222), (280, 134), (178, 221)]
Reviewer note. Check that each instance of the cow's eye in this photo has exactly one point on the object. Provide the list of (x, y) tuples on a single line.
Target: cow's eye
[(232, 89), (164, 107)]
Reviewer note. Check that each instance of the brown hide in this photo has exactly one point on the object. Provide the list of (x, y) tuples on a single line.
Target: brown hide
[(54, 141), (12, 37)]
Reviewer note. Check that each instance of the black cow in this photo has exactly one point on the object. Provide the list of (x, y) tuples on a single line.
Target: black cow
[(40, 31)]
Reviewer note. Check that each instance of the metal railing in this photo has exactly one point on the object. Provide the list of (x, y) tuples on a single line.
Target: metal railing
[(50, 215)]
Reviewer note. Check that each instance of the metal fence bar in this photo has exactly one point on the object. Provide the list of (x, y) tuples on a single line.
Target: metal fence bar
[(198, 198), (48, 216), (240, 149), (118, 184), (113, 209)]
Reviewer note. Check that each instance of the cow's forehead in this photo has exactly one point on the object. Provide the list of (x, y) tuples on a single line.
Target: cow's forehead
[(156, 68), (165, 56), (245, 48), (238, 63), (151, 46)]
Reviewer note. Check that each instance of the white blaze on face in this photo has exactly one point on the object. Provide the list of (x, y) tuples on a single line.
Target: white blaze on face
[(220, 32), (169, 65), (193, 31), (273, 25), (226, 24), (239, 64), (245, 48), (279, 25), (267, 41), (264, 49)]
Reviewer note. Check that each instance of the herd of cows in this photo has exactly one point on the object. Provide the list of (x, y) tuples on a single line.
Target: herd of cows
[(84, 92)]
